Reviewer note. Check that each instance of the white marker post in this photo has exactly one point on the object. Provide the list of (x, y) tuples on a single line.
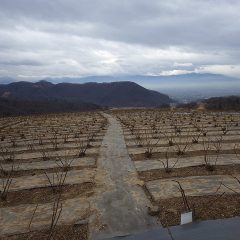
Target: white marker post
[(186, 218)]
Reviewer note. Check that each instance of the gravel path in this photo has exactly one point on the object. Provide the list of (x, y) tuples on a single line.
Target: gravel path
[(121, 204)]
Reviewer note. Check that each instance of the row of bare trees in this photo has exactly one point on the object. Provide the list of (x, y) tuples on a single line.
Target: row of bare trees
[(166, 132)]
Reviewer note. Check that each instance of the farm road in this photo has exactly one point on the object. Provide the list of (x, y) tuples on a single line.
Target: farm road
[(121, 204)]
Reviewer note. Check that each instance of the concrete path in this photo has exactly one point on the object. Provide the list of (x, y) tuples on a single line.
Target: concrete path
[(121, 204)]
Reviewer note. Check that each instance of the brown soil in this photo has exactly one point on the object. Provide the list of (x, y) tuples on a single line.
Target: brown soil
[(73, 232), (204, 207), (19, 161), (45, 195), (162, 155), (210, 129), (183, 143), (188, 171), (22, 173), (52, 150)]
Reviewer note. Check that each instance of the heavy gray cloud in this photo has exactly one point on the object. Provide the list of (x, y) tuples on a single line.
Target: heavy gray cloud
[(42, 38)]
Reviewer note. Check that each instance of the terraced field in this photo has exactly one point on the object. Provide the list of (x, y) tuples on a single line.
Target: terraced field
[(189, 161), (48, 167), (96, 175)]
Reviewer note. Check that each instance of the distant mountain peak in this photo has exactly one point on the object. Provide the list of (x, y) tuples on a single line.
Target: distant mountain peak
[(44, 82)]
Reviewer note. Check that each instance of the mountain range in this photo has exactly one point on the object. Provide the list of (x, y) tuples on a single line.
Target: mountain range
[(183, 88), (75, 96), (189, 80)]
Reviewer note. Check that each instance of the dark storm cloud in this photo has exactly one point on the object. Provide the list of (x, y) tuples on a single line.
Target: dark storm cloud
[(86, 37)]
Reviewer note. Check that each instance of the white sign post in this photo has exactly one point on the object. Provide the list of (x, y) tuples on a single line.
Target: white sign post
[(186, 218)]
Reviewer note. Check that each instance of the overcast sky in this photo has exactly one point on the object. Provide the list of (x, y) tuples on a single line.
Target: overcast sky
[(53, 38)]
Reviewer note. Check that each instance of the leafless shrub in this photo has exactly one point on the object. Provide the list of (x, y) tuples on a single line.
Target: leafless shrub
[(3, 137), (64, 163), (90, 137), (30, 145), (6, 180), (82, 146), (238, 180), (209, 204), (166, 164), (195, 138), (210, 161), (169, 135), (225, 127), (65, 137), (31, 220), (40, 139), (183, 195), (236, 150), (55, 141), (217, 143), (200, 128), (207, 160), (45, 154), (7, 154), (57, 180), (56, 214), (182, 143), (13, 142), (138, 138), (150, 143), (22, 136)]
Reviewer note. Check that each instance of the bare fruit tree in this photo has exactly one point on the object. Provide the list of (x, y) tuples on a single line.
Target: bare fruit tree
[(7, 180)]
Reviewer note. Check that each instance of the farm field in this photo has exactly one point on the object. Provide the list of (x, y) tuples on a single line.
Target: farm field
[(189, 161), (48, 166), (85, 175), (119, 120)]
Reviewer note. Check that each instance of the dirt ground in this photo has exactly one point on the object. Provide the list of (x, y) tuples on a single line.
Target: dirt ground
[(45, 195), (189, 171), (153, 130), (204, 208), (73, 232)]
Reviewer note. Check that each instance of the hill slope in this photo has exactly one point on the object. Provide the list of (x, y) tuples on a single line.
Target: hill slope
[(116, 94), (223, 103), (9, 107)]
